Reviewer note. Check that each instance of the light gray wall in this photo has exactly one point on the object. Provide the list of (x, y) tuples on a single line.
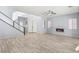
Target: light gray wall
[(7, 10), (8, 31), (62, 21), (40, 25), (78, 24)]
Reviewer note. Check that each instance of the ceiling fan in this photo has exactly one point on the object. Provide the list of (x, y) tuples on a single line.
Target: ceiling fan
[(70, 6), (49, 13)]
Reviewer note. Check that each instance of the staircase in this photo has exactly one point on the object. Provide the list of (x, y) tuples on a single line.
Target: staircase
[(10, 22)]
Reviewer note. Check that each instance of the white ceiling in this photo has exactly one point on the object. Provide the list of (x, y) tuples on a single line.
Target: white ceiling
[(39, 10)]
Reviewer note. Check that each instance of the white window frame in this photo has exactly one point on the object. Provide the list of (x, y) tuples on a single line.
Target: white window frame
[(72, 23)]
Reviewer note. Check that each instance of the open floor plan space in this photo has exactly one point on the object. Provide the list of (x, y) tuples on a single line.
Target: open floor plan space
[(39, 29), (39, 43)]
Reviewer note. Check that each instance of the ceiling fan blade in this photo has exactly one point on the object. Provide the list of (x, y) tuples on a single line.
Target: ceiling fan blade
[(53, 12)]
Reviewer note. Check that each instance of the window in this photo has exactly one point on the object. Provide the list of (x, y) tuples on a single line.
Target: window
[(73, 23)]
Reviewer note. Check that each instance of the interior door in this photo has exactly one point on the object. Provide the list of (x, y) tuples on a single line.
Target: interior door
[(30, 25), (34, 25)]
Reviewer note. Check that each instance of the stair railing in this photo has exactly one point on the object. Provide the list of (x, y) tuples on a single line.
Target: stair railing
[(9, 21)]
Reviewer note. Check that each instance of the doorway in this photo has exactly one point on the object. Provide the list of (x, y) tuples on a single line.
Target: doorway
[(23, 21), (32, 25)]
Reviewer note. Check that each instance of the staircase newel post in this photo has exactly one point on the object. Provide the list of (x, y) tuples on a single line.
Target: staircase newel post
[(24, 30), (13, 23)]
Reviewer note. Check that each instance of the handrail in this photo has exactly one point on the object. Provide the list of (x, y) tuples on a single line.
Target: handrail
[(10, 18), (13, 23), (10, 25)]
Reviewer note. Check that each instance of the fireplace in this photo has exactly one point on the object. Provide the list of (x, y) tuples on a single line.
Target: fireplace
[(59, 29)]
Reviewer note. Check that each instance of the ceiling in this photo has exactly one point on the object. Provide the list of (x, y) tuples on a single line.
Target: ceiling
[(39, 10)]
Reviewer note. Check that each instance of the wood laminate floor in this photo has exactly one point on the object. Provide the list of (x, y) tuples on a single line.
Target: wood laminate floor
[(39, 43)]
